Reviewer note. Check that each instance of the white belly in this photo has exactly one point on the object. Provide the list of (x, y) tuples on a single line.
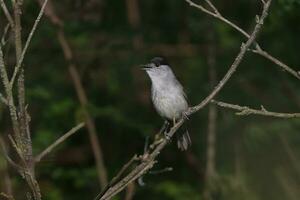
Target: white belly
[(170, 104)]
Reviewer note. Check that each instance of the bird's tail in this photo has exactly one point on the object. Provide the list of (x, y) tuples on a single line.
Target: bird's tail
[(183, 140)]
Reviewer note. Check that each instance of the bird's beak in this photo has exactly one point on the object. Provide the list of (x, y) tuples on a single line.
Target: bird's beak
[(146, 67)]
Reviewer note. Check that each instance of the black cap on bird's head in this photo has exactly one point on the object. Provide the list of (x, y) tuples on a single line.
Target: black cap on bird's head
[(157, 61), (157, 65)]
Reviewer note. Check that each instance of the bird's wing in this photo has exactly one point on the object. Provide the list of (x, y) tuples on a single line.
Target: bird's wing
[(181, 88)]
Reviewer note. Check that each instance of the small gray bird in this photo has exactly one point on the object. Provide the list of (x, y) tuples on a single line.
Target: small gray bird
[(168, 96)]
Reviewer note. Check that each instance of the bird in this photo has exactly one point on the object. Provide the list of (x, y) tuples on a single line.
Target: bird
[(168, 97)]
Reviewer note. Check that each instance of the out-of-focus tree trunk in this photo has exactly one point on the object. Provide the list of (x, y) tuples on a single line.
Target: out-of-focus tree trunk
[(93, 136), (210, 173)]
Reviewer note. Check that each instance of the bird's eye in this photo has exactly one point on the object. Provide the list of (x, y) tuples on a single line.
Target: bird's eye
[(155, 64)]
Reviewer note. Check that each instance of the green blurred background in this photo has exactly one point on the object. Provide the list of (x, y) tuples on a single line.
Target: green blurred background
[(257, 157)]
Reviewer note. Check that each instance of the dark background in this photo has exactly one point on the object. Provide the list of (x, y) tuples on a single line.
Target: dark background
[(256, 157)]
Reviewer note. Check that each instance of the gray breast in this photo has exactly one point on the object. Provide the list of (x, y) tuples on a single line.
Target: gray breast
[(169, 101)]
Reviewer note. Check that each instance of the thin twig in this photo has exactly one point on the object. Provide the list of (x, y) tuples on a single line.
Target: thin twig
[(9, 160), (201, 8), (9, 95), (20, 60), (17, 149), (149, 160), (7, 14), (39, 157), (167, 169), (277, 62), (212, 6), (244, 110), (17, 28), (118, 176), (21, 141), (3, 42), (218, 16), (258, 49), (236, 62)]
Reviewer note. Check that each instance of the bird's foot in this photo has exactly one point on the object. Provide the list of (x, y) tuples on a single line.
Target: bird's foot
[(167, 136)]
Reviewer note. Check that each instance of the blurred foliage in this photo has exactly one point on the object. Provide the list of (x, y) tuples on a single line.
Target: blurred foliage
[(257, 157)]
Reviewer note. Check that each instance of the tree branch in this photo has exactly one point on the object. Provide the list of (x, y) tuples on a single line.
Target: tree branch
[(21, 141), (118, 176), (9, 160), (258, 49), (7, 14), (39, 157), (244, 110), (9, 95), (213, 7), (21, 58), (17, 28), (217, 15), (277, 62), (237, 61), (149, 157), (3, 41)]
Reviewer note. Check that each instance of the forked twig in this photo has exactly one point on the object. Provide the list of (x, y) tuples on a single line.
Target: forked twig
[(244, 110), (20, 61), (258, 50)]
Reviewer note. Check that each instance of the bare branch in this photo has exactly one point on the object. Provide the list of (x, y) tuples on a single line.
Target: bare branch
[(9, 160), (236, 62), (149, 157), (201, 8), (20, 60), (21, 141), (58, 141), (17, 149), (3, 42), (218, 16), (7, 14), (17, 28), (118, 176), (8, 91), (258, 49), (244, 110), (212, 6), (167, 169), (3, 72), (277, 62)]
